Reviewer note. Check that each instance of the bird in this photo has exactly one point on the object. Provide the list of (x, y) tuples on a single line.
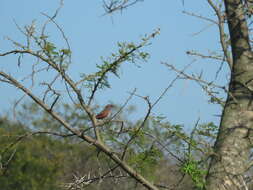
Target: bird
[(106, 111)]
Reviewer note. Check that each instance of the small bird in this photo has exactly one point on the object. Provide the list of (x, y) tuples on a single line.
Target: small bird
[(106, 111)]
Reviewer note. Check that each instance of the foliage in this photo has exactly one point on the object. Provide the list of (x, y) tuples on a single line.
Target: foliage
[(127, 52), (193, 169), (34, 165), (145, 162), (56, 159)]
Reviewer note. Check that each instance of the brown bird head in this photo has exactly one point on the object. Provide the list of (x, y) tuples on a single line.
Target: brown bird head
[(107, 110), (109, 106)]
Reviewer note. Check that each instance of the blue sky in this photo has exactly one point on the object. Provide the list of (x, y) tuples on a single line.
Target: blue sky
[(92, 35)]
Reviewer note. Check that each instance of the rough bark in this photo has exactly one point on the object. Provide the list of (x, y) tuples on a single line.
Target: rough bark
[(232, 147)]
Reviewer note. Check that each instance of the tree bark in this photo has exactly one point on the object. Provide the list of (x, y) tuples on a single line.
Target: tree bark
[(232, 147)]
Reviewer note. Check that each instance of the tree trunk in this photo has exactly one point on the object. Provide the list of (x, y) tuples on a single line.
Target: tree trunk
[(232, 147)]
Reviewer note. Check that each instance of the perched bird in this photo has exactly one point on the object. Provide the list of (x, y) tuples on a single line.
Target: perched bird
[(106, 111)]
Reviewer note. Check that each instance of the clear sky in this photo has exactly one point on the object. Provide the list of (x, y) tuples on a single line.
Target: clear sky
[(92, 35)]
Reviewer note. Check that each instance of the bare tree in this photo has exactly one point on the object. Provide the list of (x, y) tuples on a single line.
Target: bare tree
[(231, 157), (48, 58)]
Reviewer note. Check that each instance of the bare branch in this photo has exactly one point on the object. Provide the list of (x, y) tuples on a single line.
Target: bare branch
[(223, 36), (86, 138), (120, 59), (193, 53), (118, 5), (168, 87), (67, 79), (136, 132), (197, 79), (200, 17)]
